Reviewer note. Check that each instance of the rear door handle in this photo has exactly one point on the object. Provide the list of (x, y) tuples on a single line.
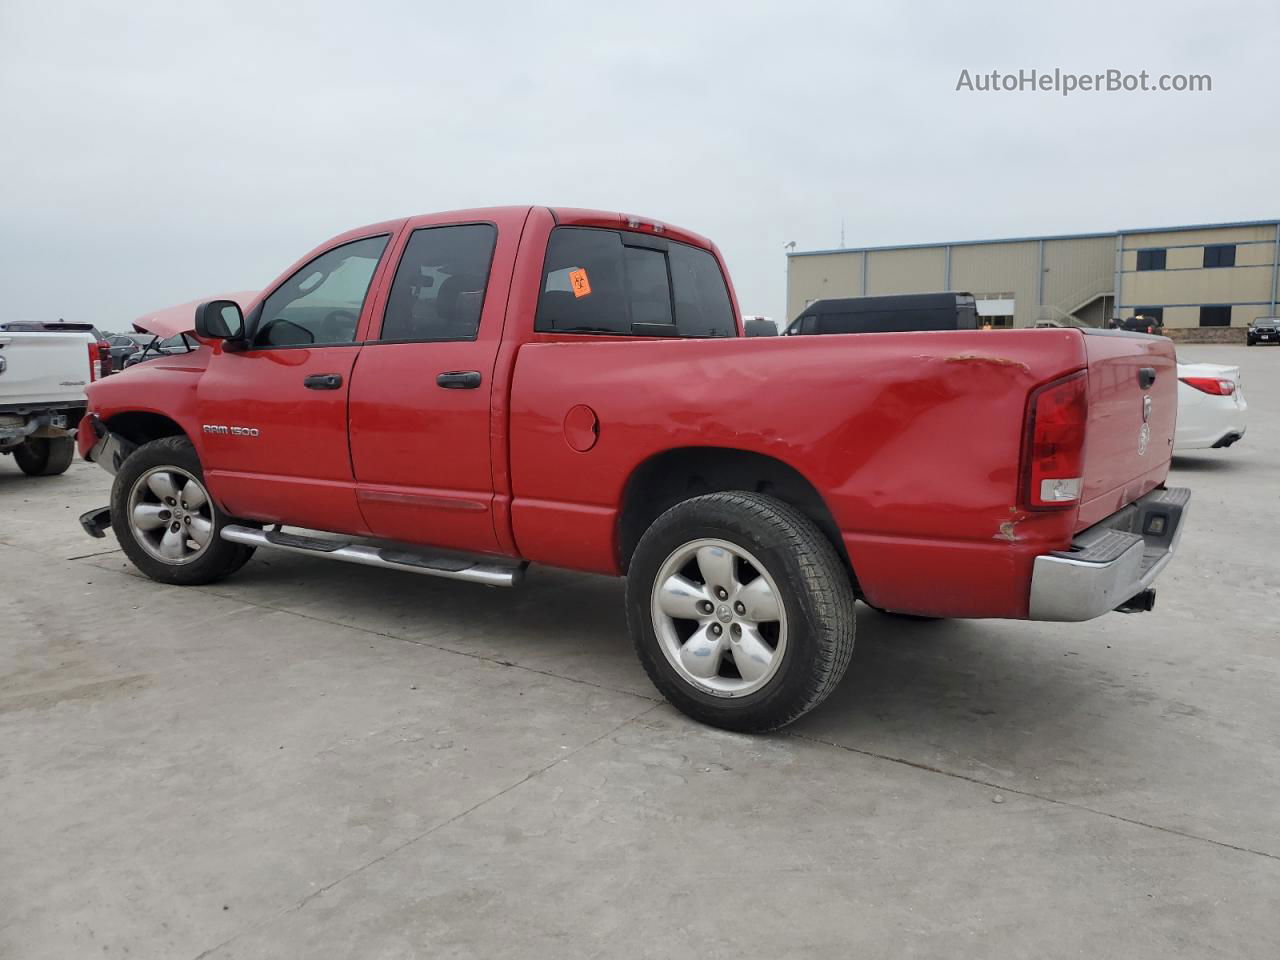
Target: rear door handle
[(459, 379), (1146, 376), (323, 381)]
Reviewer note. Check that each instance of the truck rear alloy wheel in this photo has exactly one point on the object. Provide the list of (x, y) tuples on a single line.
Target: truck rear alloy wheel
[(741, 610), (170, 515), (718, 619)]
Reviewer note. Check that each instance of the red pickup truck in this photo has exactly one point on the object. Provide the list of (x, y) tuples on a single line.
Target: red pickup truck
[(462, 394)]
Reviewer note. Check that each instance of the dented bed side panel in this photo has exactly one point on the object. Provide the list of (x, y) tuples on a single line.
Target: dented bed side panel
[(913, 440)]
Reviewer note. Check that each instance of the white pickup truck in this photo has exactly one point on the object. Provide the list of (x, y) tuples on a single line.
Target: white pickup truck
[(44, 369)]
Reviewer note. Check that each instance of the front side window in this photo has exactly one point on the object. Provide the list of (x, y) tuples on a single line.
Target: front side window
[(321, 303), (607, 281), (438, 291)]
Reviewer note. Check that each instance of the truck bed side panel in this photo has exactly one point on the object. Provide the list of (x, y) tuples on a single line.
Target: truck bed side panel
[(913, 439)]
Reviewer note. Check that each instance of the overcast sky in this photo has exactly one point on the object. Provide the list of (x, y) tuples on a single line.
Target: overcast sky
[(158, 152)]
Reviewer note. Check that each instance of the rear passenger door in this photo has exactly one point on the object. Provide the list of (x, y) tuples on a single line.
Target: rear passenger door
[(420, 392)]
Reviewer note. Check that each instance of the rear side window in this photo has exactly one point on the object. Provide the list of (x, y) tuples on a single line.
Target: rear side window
[(703, 308), (438, 291), (606, 281)]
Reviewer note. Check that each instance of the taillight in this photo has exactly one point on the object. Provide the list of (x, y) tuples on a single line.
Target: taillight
[(95, 362), (1213, 385), (1053, 474)]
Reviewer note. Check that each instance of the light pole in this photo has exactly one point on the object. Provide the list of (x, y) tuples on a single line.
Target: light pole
[(789, 246)]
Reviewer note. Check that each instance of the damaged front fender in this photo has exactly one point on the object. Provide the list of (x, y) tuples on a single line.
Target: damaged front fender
[(110, 450)]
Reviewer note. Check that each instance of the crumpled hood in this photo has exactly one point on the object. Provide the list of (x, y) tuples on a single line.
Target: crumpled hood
[(170, 321)]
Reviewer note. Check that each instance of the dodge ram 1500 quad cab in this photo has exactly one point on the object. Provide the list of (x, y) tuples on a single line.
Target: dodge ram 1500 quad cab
[(462, 394), (44, 370)]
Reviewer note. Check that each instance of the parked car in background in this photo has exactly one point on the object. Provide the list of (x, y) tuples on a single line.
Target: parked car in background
[(155, 347), (1263, 330), (1211, 406), (757, 326), (44, 370), (105, 366), (122, 346), (1140, 323)]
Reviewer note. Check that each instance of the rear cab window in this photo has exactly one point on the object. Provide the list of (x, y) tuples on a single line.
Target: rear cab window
[(614, 282)]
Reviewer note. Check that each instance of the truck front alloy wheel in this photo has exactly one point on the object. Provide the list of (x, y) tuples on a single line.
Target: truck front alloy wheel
[(170, 515)]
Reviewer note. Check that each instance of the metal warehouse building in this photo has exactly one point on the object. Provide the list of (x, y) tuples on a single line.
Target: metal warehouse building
[(1191, 277)]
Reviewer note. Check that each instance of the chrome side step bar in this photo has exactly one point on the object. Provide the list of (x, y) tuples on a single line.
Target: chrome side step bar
[(491, 572)]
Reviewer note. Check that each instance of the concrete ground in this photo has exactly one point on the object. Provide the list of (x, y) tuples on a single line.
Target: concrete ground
[(317, 760)]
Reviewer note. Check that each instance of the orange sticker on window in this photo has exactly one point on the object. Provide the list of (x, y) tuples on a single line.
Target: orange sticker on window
[(581, 285)]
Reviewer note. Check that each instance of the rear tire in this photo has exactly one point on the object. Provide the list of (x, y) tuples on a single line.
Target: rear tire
[(45, 456), (741, 611), (165, 520)]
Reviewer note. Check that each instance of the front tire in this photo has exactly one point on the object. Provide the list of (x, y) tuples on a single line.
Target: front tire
[(741, 611), (165, 520), (45, 456)]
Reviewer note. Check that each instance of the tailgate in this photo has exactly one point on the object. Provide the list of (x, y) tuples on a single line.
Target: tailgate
[(1129, 438), (43, 368)]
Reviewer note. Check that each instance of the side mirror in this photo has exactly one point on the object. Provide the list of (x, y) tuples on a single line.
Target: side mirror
[(759, 328), (220, 320)]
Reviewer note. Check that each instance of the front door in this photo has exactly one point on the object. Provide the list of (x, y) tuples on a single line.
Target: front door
[(420, 392), (274, 415)]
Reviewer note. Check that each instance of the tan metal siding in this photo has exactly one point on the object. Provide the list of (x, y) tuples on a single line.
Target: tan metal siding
[(1078, 270), (1177, 316), (1222, 285), (1186, 258), (1254, 253), (918, 270), (997, 268), (822, 276), (1170, 238)]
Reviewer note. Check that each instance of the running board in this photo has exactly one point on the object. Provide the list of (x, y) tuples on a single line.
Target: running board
[(491, 572)]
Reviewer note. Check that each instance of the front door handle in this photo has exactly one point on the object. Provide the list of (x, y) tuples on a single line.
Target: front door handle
[(323, 381), (1146, 376), (459, 380)]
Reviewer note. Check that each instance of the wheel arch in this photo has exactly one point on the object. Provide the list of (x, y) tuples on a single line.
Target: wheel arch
[(143, 426), (674, 475)]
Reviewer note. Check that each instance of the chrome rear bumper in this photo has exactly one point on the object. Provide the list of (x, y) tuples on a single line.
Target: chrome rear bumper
[(1111, 562)]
